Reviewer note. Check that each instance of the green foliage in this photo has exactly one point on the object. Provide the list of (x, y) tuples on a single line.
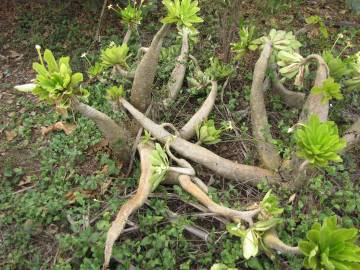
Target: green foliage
[(207, 133), (338, 68), (115, 55), (182, 12), (317, 20), (281, 41), (115, 92), (159, 166), (354, 82), (319, 142), (291, 64), (270, 205), (55, 82), (331, 247), (221, 266), (246, 37), (95, 70), (329, 90), (130, 15), (219, 70)]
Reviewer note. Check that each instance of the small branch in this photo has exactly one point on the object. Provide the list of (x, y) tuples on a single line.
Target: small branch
[(131, 205), (352, 136), (202, 197), (260, 127), (124, 73), (97, 34), (189, 129), (272, 241), (223, 167), (127, 35)]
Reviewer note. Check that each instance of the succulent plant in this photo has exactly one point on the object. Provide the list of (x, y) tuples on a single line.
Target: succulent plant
[(182, 13), (130, 15), (319, 142), (115, 55), (270, 205), (292, 64), (338, 68), (219, 70), (329, 90), (55, 82), (246, 37), (207, 133), (115, 92), (159, 166), (330, 247)]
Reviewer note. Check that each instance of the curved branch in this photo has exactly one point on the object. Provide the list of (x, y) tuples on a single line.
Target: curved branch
[(352, 135), (291, 98), (127, 35), (202, 197), (272, 241), (223, 167), (314, 104), (146, 70), (133, 204), (123, 72), (260, 126), (118, 136), (177, 76), (189, 129)]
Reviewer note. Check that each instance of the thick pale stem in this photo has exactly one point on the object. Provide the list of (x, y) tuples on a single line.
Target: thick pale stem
[(118, 136), (223, 167), (146, 70), (352, 136), (189, 129), (260, 126), (178, 73), (314, 103), (127, 35), (124, 73), (133, 204), (272, 241), (202, 197)]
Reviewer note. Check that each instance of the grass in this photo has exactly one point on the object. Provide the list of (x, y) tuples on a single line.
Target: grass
[(59, 193)]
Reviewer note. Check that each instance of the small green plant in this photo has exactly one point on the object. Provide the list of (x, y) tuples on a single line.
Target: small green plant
[(219, 70), (130, 15), (221, 266), (182, 13), (55, 82), (329, 90), (317, 20), (270, 205), (115, 92), (319, 142), (246, 37), (338, 68), (207, 133), (331, 247), (95, 70), (159, 166), (115, 55)]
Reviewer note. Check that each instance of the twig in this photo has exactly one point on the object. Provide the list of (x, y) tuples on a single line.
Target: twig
[(97, 34)]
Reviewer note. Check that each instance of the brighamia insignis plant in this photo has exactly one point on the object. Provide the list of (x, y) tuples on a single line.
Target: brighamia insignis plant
[(182, 12), (329, 90), (281, 41), (131, 15), (55, 82), (246, 36), (330, 247), (159, 166), (115, 92), (319, 142), (207, 133), (115, 55)]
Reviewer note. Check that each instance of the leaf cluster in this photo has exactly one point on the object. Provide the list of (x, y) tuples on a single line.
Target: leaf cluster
[(244, 44), (331, 247), (115, 55), (159, 166), (281, 41), (207, 133), (219, 70), (329, 90), (130, 15), (115, 92)]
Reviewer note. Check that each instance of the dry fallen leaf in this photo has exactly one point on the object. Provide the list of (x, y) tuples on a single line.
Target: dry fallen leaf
[(292, 198), (25, 181), (59, 126), (71, 197), (10, 135)]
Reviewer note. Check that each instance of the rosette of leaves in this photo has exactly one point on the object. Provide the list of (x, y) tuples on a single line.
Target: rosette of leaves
[(221, 266), (331, 247), (329, 90), (281, 41), (159, 166), (338, 68), (55, 82), (115, 55), (252, 237), (199, 79), (207, 133), (115, 92), (292, 64), (130, 15), (182, 13), (95, 70), (219, 70), (244, 44), (319, 143), (270, 205)]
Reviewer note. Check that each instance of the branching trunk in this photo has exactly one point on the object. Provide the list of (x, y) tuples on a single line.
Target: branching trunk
[(223, 167), (260, 126), (189, 129), (178, 73), (313, 104), (118, 136), (133, 204), (352, 136), (146, 70), (203, 198)]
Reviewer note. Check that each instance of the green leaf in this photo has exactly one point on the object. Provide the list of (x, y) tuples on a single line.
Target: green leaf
[(250, 244), (50, 60), (329, 90), (235, 230)]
